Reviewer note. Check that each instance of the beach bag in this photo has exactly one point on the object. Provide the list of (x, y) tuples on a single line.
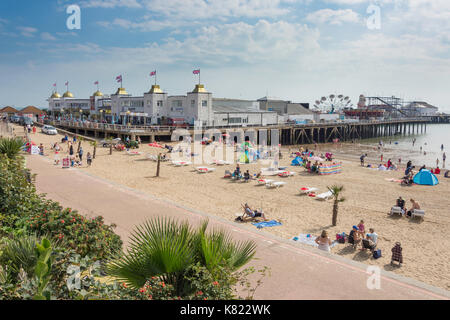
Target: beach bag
[(377, 254)]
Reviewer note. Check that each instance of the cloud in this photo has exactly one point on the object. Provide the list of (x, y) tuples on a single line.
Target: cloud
[(27, 31), (333, 17), (110, 4), (47, 36)]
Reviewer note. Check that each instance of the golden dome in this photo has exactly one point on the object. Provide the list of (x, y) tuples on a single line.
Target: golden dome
[(199, 88), (55, 95), (98, 94), (155, 89), (67, 94), (121, 91)]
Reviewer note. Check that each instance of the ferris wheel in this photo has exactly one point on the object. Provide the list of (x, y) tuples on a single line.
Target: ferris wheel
[(333, 103)]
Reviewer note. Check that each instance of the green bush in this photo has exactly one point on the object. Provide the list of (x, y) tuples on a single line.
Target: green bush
[(11, 147), (85, 236)]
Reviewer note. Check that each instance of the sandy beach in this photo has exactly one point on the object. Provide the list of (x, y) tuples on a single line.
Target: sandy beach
[(369, 196)]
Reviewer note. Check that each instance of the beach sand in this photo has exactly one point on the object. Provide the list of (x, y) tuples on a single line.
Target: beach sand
[(369, 196)]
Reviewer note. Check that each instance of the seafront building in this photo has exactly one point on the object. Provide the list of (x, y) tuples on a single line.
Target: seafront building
[(157, 107)]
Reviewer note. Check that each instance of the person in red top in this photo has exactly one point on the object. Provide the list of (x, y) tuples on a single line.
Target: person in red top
[(437, 171)]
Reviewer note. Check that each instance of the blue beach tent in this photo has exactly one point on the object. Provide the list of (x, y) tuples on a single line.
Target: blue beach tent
[(425, 177), (297, 162)]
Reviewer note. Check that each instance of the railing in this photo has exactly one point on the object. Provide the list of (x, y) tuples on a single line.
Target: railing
[(153, 128)]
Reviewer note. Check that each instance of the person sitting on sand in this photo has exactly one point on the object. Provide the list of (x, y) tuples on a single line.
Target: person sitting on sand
[(324, 241), (423, 167), (308, 166), (354, 237), (437, 170), (415, 206), (446, 175), (250, 214), (246, 176)]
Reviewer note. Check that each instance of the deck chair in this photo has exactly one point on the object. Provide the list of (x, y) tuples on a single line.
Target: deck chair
[(265, 181), (418, 213), (396, 210), (275, 184), (324, 196), (307, 190)]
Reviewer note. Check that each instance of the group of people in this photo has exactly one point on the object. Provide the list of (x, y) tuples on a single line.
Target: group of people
[(75, 159), (402, 205), (358, 236)]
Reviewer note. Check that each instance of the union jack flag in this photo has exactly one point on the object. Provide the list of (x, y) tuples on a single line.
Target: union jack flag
[(196, 71), (96, 82), (153, 73), (67, 83), (119, 78)]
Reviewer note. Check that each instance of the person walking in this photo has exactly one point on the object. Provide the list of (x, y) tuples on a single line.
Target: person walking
[(444, 156), (89, 159), (80, 153)]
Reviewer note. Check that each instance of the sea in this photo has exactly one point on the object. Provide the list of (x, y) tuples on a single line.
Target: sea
[(425, 151)]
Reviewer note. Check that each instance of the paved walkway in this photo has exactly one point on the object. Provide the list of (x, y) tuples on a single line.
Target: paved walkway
[(298, 272)]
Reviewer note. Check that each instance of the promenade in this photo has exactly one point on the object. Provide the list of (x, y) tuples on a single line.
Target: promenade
[(297, 271)]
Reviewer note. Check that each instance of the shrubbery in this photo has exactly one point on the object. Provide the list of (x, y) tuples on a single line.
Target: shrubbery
[(48, 252)]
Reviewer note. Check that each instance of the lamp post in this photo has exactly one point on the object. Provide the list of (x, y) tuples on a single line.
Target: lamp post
[(81, 115), (61, 113), (101, 115)]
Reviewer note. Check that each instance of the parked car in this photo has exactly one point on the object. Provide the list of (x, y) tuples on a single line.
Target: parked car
[(49, 130), (105, 143), (15, 119), (26, 121)]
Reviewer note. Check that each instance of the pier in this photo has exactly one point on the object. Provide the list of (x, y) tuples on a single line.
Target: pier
[(289, 134)]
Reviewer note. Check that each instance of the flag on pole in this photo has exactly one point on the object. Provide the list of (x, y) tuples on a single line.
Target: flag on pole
[(119, 78), (153, 73), (96, 83), (67, 83), (196, 71), (54, 85)]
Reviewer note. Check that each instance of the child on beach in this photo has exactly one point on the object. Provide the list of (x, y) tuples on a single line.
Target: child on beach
[(89, 159), (361, 228)]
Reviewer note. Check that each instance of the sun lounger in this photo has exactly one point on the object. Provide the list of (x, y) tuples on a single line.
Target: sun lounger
[(308, 190), (205, 170), (396, 210), (286, 174), (265, 181), (275, 184), (181, 163), (133, 153), (418, 213), (324, 196)]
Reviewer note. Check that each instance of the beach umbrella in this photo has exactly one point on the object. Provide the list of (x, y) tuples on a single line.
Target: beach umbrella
[(425, 177)]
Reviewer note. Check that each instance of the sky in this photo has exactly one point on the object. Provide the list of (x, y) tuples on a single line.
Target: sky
[(298, 50)]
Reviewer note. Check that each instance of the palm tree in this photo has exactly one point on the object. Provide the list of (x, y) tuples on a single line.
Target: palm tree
[(11, 147), (336, 190), (94, 144), (166, 249)]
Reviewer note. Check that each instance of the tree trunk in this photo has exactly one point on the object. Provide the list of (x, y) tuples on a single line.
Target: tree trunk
[(110, 149), (95, 151), (335, 213), (158, 165), (79, 146)]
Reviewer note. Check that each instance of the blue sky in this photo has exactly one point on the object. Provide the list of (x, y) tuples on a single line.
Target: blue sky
[(293, 49)]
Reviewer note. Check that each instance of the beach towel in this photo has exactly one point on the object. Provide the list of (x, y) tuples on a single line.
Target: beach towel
[(330, 169), (310, 240), (264, 224)]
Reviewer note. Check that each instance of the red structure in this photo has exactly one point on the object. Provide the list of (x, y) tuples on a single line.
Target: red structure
[(364, 113)]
